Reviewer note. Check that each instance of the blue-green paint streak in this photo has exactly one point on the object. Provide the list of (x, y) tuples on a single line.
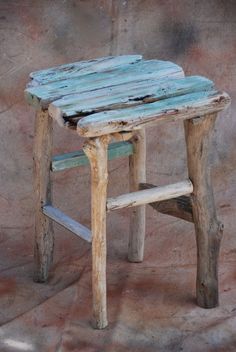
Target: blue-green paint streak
[(78, 158), (42, 95), (111, 98)]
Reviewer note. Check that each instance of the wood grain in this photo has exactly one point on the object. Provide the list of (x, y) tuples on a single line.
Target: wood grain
[(80, 68), (71, 108), (43, 95), (177, 108), (150, 195), (208, 228), (137, 174), (44, 237), (179, 207), (96, 151)]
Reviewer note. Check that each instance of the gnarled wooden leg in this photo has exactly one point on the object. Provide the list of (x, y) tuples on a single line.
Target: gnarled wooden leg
[(96, 151), (208, 228), (137, 165), (44, 238)]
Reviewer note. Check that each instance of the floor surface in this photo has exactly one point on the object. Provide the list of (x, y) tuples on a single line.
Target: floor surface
[(151, 305)]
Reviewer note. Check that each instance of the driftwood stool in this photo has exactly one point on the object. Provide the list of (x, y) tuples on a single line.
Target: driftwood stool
[(112, 100)]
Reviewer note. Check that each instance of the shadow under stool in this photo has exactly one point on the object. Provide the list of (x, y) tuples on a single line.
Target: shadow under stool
[(110, 101)]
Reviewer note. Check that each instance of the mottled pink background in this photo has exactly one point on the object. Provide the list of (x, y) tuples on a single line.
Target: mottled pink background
[(198, 35)]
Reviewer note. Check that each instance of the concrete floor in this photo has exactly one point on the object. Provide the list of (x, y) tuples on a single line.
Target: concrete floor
[(151, 305)]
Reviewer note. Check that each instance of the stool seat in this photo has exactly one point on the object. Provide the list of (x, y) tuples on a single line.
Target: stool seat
[(122, 93)]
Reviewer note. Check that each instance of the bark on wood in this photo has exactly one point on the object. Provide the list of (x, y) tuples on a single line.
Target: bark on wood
[(208, 228), (44, 237), (179, 207), (147, 196), (137, 172), (96, 151)]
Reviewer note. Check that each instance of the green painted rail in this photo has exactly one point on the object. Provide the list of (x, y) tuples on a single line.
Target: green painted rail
[(78, 158)]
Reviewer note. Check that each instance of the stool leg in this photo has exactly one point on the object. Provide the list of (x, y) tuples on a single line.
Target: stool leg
[(96, 151), (137, 165), (44, 237), (208, 229)]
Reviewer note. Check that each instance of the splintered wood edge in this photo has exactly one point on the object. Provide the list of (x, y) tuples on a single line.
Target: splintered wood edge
[(72, 107), (109, 61), (210, 104), (36, 96)]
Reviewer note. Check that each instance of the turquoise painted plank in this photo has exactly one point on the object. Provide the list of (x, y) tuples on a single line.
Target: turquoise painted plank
[(69, 160), (142, 70), (78, 158), (179, 107), (80, 68), (121, 96)]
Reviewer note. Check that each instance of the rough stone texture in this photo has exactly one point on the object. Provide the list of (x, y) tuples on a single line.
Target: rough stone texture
[(151, 305)]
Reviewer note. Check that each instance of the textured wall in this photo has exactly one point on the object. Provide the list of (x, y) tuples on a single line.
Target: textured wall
[(198, 35), (151, 305)]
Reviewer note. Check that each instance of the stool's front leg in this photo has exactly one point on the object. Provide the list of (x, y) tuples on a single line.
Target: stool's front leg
[(137, 165), (96, 151), (44, 238), (208, 229)]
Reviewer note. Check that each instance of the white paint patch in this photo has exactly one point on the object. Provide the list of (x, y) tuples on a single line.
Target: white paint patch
[(19, 345)]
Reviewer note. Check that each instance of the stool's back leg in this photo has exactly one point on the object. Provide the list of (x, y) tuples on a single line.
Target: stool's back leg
[(137, 165), (44, 238), (208, 229), (96, 151)]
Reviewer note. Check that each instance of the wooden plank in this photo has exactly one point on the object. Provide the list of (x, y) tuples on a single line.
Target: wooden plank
[(150, 195), (65, 221), (80, 68), (179, 207), (123, 96), (79, 158), (177, 108), (208, 229), (142, 70), (44, 235)]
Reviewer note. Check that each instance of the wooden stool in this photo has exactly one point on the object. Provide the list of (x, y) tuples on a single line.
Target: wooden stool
[(112, 100)]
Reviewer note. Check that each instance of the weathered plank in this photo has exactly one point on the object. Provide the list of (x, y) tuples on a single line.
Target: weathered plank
[(123, 96), (43, 95), (79, 158), (44, 236), (150, 195), (179, 207), (68, 223), (181, 107), (208, 229), (137, 174), (81, 68)]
